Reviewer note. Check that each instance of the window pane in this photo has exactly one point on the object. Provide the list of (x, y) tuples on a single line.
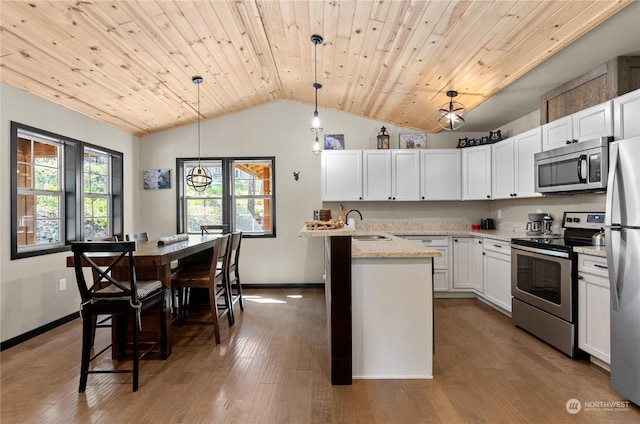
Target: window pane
[(26, 221), (46, 178), (252, 178), (253, 215), (47, 219), (203, 211)]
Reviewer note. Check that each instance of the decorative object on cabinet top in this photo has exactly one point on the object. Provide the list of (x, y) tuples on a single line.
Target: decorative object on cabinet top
[(413, 141), (334, 142), (493, 137), (383, 139)]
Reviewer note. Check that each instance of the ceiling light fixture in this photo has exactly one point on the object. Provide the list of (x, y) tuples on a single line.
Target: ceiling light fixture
[(198, 178), (451, 113), (316, 124)]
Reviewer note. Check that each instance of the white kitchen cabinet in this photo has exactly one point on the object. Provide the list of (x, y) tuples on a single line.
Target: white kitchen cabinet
[(341, 173), (512, 163), (476, 173), (442, 264), (441, 174), (594, 334), (376, 176), (588, 124), (497, 273), (463, 272), (626, 115), (405, 174), (477, 253)]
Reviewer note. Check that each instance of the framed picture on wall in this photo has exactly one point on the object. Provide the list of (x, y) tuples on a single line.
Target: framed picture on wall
[(413, 141), (334, 142), (155, 179)]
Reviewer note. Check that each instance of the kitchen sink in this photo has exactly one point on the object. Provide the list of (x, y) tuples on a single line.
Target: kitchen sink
[(371, 237)]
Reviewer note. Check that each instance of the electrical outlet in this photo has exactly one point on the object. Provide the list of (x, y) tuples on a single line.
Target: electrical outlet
[(62, 284), (499, 214)]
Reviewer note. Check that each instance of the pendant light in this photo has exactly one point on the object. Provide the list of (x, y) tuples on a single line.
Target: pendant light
[(198, 178), (451, 113), (316, 124)]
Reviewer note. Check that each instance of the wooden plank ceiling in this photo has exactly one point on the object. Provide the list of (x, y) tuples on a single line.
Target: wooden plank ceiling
[(129, 63)]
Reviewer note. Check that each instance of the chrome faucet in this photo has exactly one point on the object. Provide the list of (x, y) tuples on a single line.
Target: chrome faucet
[(353, 210)]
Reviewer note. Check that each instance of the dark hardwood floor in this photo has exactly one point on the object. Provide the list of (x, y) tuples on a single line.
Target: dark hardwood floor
[(272, 367)]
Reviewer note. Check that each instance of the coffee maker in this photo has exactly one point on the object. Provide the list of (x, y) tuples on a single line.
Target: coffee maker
[(535, 225)]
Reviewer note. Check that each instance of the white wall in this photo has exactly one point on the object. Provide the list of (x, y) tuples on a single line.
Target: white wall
[(29, 295)]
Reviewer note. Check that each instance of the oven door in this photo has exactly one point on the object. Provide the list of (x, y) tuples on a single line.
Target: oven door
[(543, 278)]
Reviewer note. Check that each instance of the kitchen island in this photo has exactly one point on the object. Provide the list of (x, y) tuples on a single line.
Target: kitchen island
[(387, 282)]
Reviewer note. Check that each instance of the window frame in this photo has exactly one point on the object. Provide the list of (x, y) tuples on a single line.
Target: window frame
[(228, 201), (72, 182)]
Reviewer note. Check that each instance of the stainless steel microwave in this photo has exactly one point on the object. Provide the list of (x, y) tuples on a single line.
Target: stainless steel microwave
[(577, 167)]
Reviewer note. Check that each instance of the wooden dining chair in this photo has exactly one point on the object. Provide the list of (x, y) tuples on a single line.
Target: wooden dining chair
[(232, 270), (104, 321), (211, 278), (214, 229), (125, 299), (137, 237)]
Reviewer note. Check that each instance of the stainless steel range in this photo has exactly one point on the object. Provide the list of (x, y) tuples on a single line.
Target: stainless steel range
[(544, 281)]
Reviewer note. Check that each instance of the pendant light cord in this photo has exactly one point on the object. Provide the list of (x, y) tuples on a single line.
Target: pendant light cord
[(199, 125)]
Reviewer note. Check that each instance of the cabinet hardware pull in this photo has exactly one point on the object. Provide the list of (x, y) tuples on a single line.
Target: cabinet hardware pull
[(580, 277), (600, 266), (498, 246)]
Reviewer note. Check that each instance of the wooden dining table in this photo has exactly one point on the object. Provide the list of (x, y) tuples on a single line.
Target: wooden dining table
[(154, 262)]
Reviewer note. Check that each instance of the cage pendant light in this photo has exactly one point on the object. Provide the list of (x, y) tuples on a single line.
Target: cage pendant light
[(451, 113), (316, 123), (198, 178)]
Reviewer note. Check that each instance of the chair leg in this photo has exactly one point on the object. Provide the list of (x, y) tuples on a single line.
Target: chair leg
[(214, 312), (87, 342), (239, 288), (228, 300), (163, 330), (121, 336), (136, 351)]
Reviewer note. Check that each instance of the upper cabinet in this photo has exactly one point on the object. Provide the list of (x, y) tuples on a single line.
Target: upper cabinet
[(441, 174), (476, 173), (626, 115), (512, 165), (376, 175), (588, 124), (405, 172), (341, 175)]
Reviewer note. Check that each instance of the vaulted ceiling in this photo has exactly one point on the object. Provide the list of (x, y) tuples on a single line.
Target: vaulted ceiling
[(129, 63)]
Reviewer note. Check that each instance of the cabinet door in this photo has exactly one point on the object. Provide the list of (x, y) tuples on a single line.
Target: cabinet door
[(405, 175), (503, 169), (341, 175), (477, 282), (497, 277), (593, 122), (441, 174), (526, 145), (376, 175), (557, 133), (476, 173), (594, 334), (462, 262), (626, 115)]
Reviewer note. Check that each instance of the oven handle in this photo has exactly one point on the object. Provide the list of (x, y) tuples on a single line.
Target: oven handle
[(540, 251), (581, 159)]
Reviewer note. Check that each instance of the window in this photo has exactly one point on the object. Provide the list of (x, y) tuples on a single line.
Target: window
[(241, 194), (46, 203), (96, 194), (40, 205)]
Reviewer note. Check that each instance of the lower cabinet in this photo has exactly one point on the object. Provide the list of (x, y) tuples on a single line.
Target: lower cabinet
[(463, 272), (441, 265), (497, 273), (477, 253), (594, 333)]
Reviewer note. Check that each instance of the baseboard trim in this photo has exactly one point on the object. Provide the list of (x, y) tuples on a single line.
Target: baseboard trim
[(284, 286), (37, 331)]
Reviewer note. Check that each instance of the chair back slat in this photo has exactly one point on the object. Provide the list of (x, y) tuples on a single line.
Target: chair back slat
[(137, 237), (104, 286), (219, 255), (214, 229)]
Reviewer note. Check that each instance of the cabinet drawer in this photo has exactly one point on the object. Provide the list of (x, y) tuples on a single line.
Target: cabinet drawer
[(497, 246), (593, 265), (430, 240)]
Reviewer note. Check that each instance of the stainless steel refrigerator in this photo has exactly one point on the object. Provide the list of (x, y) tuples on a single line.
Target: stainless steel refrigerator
[(623, 260)]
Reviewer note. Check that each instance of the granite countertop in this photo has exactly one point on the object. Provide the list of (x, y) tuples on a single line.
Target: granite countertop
[(592, 250), (344, 231), (393, 247), (493, 234)]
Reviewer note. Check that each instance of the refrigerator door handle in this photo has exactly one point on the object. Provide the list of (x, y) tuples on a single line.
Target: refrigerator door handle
[(611, 182), (613, 267)]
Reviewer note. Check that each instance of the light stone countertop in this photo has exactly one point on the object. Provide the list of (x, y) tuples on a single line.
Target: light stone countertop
[(592, 250), (395, 247), (344, 231)]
